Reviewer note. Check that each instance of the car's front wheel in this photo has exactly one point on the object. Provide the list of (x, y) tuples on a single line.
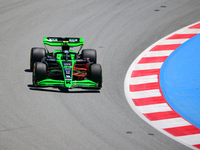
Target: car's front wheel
[(39, 72), (95, 74)]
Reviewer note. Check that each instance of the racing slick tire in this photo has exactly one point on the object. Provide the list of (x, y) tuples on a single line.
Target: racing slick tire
[(95, 72), (91, 54), (39, 72), (36, 55)]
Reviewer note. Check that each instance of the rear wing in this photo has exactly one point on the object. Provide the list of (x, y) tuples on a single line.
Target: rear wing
[(59, 41)]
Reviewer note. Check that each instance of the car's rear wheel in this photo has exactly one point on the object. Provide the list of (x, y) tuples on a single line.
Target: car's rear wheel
[(95, 74), (91, 54), (39, 72), (36, 55)]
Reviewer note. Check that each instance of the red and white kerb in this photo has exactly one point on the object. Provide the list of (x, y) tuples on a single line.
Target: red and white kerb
[(143, 92)]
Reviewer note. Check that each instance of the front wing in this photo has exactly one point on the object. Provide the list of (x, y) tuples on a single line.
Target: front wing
[(73, 84)]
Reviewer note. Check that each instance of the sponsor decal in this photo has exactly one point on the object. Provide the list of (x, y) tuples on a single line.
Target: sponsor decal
[(68, 73), (52, 39), (67, 63), (73, 40)]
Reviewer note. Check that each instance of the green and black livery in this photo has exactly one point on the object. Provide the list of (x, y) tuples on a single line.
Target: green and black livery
[(65, 67)]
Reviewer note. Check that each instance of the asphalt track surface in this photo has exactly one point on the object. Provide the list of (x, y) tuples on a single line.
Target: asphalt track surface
[(81, 119)]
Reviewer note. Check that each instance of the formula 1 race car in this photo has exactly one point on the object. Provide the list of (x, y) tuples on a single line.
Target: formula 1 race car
[(65, 68)]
